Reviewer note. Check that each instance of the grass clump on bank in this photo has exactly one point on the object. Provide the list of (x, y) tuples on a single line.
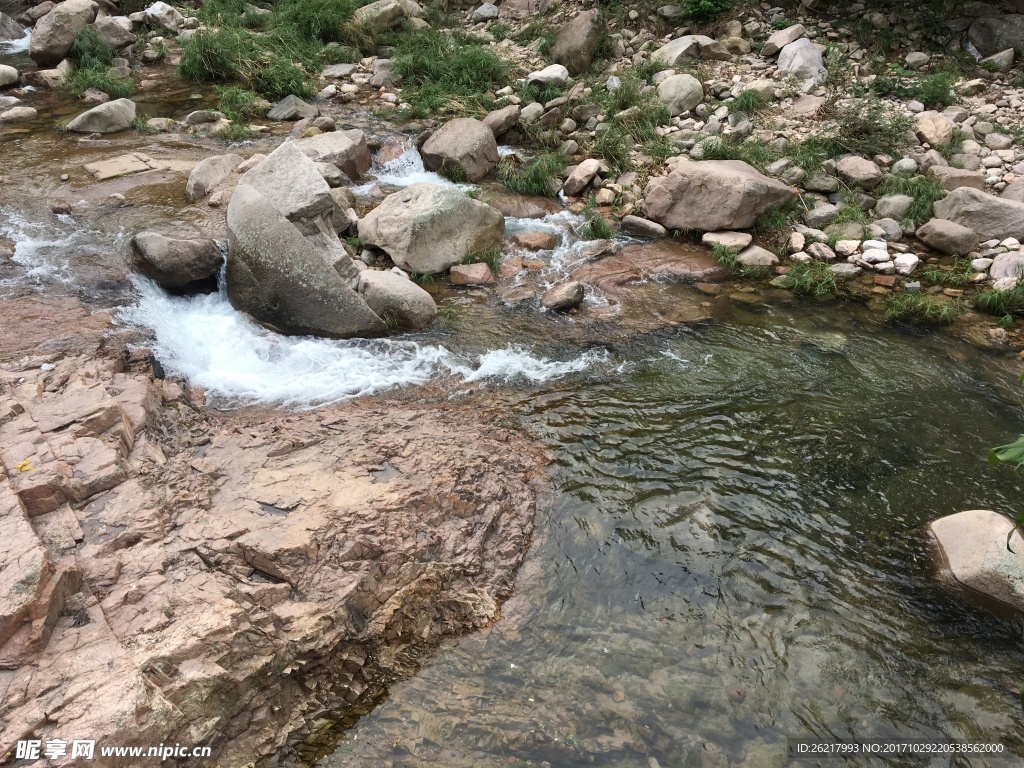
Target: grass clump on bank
[(925, 193), (725, 255), (956, 276), (923, 309), (540, 177), (814, 279), (93, 60), (866, 127), (1005, 304), (447, 74), (597, 227)]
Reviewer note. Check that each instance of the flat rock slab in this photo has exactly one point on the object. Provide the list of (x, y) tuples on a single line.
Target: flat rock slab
[(135, 162), (660, 259)]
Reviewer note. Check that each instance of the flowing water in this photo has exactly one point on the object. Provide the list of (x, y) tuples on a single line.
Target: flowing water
[(730, 550)]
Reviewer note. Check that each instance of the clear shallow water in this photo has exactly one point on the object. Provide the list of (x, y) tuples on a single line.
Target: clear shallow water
[(730, 555)]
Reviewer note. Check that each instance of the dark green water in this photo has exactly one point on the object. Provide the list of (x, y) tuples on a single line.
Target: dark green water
[(731, 554)]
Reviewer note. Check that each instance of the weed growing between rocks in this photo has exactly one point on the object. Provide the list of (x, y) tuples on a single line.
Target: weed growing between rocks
[(925, 193), (923, 309), (239, 105), (934, 90), (865, 127), (540, 177), (773, 222), (815, 279), (725, 255), (597, 227), (956, 276), (491, 257), (751, 151), (1004, 304), (447, 74), (93, 59)]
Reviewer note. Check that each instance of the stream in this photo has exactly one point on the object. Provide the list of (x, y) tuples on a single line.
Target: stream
[(729, 552)]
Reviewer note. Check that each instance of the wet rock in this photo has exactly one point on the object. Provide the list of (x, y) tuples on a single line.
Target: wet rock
[(397, 299), (278, 278), (208, 174), (291, 107), (291, 181), (780, 39), (387, 14), (564, 297), (576, 42), (680, 93), (664, 259), (845, 271), (677, 51), (111, 117), (427, 228), (519, 206), (536, 241), (713, 195), (55, 32), (971, 552), (173, 264), (802, 59), (989, 216), (464, 144), (478, 273), (345, 149)]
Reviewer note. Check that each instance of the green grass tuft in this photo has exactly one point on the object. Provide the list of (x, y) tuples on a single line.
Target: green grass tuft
[(597, 227), (923, 309), (540, 177), (725, 255), (813, 279)]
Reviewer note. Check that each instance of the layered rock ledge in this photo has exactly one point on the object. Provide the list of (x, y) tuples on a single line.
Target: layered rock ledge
[(243, 581)]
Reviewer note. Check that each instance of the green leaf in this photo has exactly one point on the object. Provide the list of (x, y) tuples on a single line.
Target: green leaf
[(1011, 454), (1022, 696), (1018, 523)]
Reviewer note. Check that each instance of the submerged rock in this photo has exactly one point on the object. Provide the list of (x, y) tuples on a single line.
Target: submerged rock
[(397, 298)]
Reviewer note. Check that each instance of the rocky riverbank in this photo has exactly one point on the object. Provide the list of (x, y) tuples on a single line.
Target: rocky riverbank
[(247, 580)]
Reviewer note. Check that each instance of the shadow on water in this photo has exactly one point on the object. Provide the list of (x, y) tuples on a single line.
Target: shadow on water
[(732, 555)]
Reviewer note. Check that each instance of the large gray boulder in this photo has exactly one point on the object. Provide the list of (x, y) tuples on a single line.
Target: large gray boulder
[(54, 34), (992, 218), (576, 43), (971, 553), (993, 34), (208, 174), (173, 263), (345, 149), (116, 31), (680, 93), (385, 14), (428, 228), (292, 182), (8, 76), (464, 144), (275, 275), (690, 47), (712, 195), (111, 117), (947, 237), (802, 59), (10, 29), (397, 298)]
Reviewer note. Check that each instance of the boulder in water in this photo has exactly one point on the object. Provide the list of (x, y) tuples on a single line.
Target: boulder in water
[(174, 264), (562, 298), (463, 145), (345, 149), (10, 29), (397, 298), (208, 174), (111, 117), (55, 33), (428, 228), (275, 275)]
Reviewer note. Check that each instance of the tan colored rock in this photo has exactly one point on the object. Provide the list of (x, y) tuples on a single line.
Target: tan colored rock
[(478, 273), (662, 259), (536, 241), (208, 173), (737, 240), (971, 551), (345, 149), (934, 128), (860, 172), (950, 178), (713, 195), (462, 145)]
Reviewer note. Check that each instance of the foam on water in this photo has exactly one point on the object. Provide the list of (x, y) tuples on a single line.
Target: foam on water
[(40, 249), (16, 46), (403, 171), (238, 362)]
